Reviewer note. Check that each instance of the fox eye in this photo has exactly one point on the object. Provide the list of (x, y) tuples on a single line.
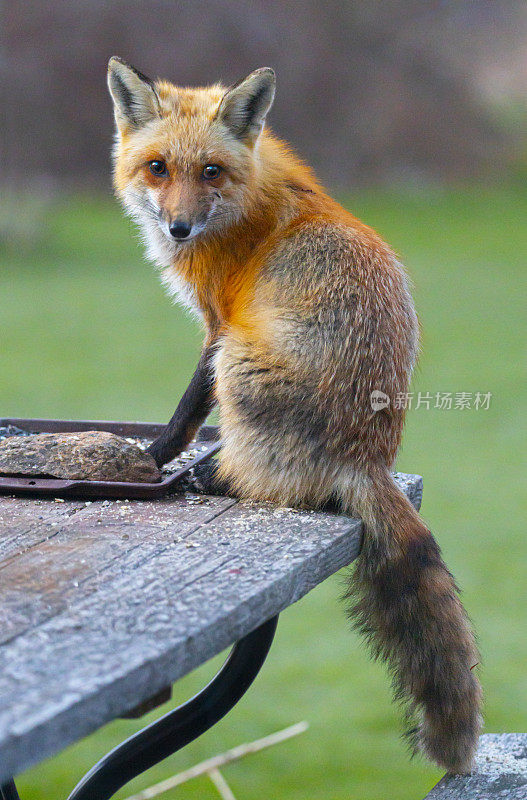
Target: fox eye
[(158, 167), (211, 171)]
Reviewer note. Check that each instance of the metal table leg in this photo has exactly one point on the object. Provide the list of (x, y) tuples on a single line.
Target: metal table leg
[(9, 792), (177, 728)]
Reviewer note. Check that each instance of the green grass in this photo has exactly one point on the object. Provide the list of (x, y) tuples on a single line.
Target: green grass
[(87, 332)]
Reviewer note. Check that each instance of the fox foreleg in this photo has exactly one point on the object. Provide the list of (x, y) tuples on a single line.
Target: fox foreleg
[(193, 408)]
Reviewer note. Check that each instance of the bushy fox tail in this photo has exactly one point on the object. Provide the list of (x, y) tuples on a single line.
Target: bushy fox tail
[(406, 604)]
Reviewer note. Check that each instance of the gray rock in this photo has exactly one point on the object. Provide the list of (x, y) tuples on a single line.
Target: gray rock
[(89, 455)]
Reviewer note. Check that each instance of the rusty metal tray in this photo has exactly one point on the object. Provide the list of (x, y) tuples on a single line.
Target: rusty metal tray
[(207, 442)]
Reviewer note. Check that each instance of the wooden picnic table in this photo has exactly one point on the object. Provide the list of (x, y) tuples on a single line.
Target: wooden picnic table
[(500, 772), (106, 603)]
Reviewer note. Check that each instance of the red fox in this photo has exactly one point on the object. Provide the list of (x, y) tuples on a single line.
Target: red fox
[(307, 312)]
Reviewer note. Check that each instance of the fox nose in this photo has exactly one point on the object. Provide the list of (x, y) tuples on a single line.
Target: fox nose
[(180, 229)]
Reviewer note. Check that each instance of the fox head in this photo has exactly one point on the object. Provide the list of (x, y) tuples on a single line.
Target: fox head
[(185, 159)]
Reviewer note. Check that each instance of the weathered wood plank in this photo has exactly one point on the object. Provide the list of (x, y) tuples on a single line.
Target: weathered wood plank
[(500, 773), (24, 525), (166, 603), (152, 624), (72, 555)]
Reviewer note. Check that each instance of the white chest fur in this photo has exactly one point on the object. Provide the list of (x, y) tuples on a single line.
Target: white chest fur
[(180, 291)]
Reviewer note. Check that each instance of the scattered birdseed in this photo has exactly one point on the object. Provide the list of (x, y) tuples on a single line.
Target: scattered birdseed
[(11, 430)]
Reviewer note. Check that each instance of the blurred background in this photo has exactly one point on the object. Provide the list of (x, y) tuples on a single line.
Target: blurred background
[(414, 114), (369, 92)]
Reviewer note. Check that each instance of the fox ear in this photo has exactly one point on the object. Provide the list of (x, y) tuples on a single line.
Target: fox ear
[(135, 100), (244, 106)]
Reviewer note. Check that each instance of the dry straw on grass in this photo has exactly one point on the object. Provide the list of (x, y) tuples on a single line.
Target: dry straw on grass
[(211, 766)]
